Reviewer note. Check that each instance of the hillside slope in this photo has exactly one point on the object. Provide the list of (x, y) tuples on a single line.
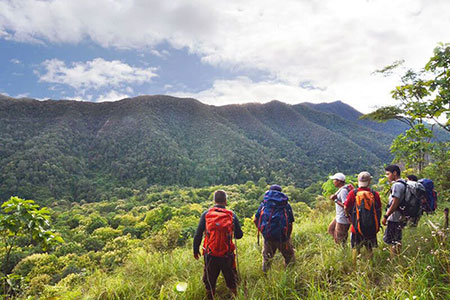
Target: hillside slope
[(81, 150)]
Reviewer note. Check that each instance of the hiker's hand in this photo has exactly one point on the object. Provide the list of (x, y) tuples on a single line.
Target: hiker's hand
[(333, 197), (384, 221), (196, 256)]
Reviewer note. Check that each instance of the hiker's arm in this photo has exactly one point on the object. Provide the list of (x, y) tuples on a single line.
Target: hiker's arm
[(258, 213), (290, 214), (289, 230), (199, 235), (347, 210), (290, 220), (393, 207), (237, 228), (397, 193), (348, 205), (341, 197), (395, 204)]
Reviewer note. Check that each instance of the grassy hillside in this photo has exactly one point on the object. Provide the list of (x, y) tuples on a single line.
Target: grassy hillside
[(140, 247), (322, 271)]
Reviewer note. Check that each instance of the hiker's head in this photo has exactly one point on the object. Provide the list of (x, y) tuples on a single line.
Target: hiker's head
[(392, 172), (220, 197), (364, 179), (412, 178), (275, 187), (338, 179)]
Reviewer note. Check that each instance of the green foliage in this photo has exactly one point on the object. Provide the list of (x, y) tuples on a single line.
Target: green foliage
[(156, 217), (439, 171), (60, 152), (323, 270), (22, 220), (23, 217), (413, 146), (422, 96), (95, 221), (150, 250)]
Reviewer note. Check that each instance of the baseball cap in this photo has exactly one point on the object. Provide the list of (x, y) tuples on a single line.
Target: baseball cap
[(338, 176), (364, 179)]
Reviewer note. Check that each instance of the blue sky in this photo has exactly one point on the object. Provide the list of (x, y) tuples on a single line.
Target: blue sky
[(219, 52)]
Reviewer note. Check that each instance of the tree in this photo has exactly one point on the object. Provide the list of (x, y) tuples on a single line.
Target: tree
[(423, 97), (23, 218), (412, 146)]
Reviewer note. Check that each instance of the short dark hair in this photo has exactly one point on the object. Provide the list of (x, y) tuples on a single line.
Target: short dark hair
[(392, 169), (220, 196), (412, 177)]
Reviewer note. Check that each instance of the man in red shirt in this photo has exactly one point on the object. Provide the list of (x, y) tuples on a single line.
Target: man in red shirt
[(363, 205)]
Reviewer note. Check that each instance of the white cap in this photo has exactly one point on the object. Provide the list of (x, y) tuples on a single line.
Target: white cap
[(364, 179), (338, 176)]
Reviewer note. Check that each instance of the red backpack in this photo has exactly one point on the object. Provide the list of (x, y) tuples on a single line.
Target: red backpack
[(219, 232)]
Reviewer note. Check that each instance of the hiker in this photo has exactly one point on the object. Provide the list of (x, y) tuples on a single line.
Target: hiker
[(394, 217), (338, 228), (431, 196), (219, 225), (363, 205), (274, 220)]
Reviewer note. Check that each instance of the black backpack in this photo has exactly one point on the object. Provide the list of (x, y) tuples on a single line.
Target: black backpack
[(366, 216), (411, 204)]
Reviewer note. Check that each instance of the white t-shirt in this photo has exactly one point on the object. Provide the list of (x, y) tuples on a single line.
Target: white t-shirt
[(340, 213)]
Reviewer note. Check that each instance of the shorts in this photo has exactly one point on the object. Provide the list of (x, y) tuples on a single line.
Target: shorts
[(393, 233), (357, 241), (338, 231)]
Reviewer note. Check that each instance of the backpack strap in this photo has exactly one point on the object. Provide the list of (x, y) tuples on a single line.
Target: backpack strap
[(270, 218), (287, 222), (401, 181), (402, 201), (260, 218)]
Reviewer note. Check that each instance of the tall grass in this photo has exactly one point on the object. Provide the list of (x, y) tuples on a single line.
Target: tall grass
[(323, 270)]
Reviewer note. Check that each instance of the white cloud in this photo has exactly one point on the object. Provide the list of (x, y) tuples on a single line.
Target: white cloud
[(111, 96), (244, 90), (15, 61), (95, 74), (161, 54), (332, 44), (23, 95)]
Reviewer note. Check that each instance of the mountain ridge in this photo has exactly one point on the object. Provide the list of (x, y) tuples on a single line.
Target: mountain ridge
[(81, 150)]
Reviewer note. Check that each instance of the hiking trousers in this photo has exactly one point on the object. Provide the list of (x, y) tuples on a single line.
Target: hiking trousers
[(269, 249), (214, 265), (339, 232)]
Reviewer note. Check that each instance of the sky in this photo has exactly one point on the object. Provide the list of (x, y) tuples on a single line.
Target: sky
[(219, 52)]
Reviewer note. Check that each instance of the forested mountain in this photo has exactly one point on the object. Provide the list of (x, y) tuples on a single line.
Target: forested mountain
[(349, 113), (81, 150)]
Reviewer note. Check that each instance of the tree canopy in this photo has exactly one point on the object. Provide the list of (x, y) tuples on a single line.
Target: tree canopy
[(422, 102)]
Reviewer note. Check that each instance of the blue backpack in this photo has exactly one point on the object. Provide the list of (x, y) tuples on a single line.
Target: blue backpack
[(430, 194), (273, 219)]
